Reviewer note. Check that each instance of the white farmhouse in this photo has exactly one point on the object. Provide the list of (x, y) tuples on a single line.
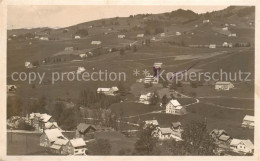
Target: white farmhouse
[(76, 147), (162, 34), (174, 107), (44, 38), (83, 55), (108, 91), (227, 45), (80, 70), (178, 33), (248, 122), (232, 35), (96, 42), (225, 28), (223, 86), (245, 146), (206, 21), (212, 46), (140, 35), (121, 36), (77, 37), (28, 64), (145, 98)]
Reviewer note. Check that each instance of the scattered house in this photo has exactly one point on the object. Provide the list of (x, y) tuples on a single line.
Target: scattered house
[(85, 131), (153, 39), (223, 86), (248, 122), (220, 136), (59, 146), (96, 42), (69, 48), (30, 43), (162, 34), (11, 88), (151, 79), (90, 27), (178, 33), (206, 21), (108, 91), (80, 70), (174, 107), (83, 55), (28, 64), (49, 136), (168, 133), (76, 147), (151, 122), (232, 35), (227, 45), (245, 146), (140, 35), (157, 65), (44, 38), (121, 36), (9, 39), (225, 28), (76, 37), (36, 37), (212, 46), (51, 125), (145, 98), (105, 33), (232, 24), (176, 126), (196, 26)]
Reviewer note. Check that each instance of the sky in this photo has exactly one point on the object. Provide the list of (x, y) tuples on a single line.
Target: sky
[(32, 16)]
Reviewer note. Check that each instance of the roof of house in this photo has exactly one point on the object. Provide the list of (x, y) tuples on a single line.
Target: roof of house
[(82, 127), (45, 117), (175, 102), (218, 133), (248, 118), (53, 134), (54, 146), (176, 124), (61, 141), (224, 137), (166, 130), (247, 143), (77, 142), (114, 88), (50, 124), (223, 83), (154, 122), (103, 89)]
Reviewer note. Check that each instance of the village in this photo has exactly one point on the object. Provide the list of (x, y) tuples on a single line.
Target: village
[(121, 117)]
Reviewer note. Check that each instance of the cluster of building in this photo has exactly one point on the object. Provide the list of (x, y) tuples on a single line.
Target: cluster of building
[(113, 91), (165, 133), (53, 139), (227, 143)]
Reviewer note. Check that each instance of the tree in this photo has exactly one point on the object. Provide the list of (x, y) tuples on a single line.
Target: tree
[(14, 106), (196, 141), (154, 98), (122, 52), (134, 48), (164, 100), (146, 142), (101, 147)]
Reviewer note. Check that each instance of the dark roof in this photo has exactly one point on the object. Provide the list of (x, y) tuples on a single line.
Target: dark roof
[(82, 127), (176, 124)]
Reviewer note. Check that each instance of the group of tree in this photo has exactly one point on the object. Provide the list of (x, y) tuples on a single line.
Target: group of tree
[(100, 147), (196, 141)]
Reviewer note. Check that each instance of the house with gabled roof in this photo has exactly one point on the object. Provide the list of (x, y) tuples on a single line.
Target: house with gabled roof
[(248, 122), (85, 131), (245, 146), (49, 136), (174, 107), (76, 147), (59, 146)]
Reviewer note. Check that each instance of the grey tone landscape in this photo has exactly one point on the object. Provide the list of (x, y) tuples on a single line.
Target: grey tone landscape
[(113, 86)]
